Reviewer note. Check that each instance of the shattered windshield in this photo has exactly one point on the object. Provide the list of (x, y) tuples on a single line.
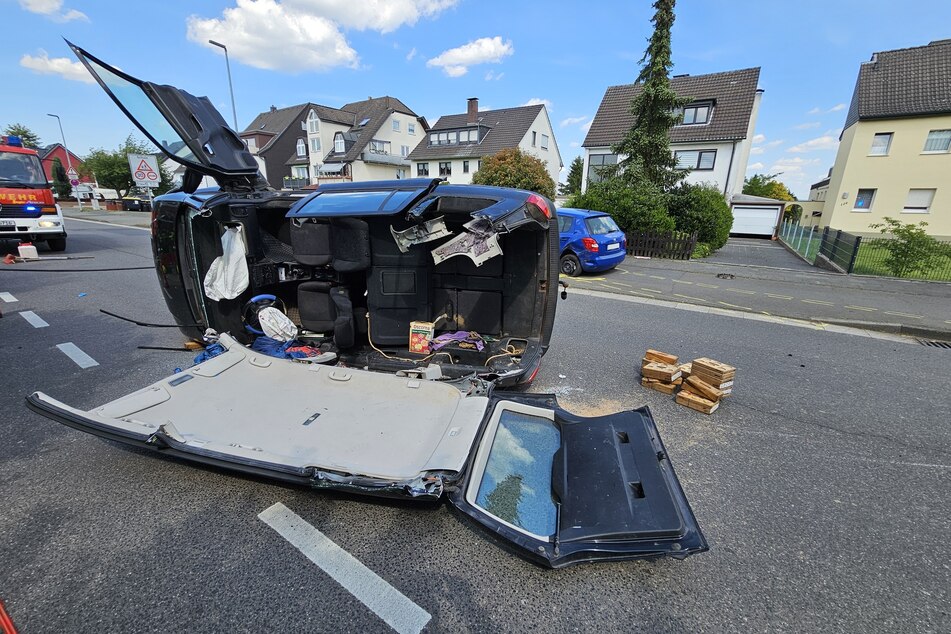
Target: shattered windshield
[(143, 111), (19, 168), (516, 484)]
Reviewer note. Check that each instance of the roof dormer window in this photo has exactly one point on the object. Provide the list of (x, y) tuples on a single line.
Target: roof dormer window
[(313, 123), (301, 147), (696, 113), (339, 146)]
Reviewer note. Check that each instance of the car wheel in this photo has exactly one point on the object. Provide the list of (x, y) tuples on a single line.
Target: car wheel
[(570, 265), (56, 244)]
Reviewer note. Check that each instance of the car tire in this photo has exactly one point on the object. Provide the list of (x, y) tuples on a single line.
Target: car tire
[(56, 244), (570, 265)]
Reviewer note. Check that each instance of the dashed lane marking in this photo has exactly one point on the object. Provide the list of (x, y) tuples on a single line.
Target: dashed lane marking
[(866, 308), (817, 301), (774, 296), (620, 284), (735, 306), (707, 285), (657, 277), (739, 290), (34, 320), (623, 271), (639, 274), (8, 297), (388, 603), (897, 314), (79, 357), (696, 299), (681, 282), (651, 290)]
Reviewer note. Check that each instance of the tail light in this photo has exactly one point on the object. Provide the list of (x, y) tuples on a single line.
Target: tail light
[(540, 203), (590, 244)]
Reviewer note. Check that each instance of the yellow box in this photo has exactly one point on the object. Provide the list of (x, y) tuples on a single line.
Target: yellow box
[(420, 334)]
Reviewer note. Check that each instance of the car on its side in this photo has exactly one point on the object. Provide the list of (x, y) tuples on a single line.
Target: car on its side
[(358, 267), (590, 241)]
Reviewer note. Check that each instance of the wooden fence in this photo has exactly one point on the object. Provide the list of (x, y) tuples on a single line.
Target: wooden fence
[(672, 245)]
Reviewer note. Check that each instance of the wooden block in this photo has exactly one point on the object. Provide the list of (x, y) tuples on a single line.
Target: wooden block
[(661, 372), (645, 361), (679, 381), (686, 369), (695, 402), (663, 357), (702, 388), (713, 368), (660, 386), (715, 382)]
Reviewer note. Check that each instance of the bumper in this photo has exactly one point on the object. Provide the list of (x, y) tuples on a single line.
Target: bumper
[(591, 262), (32, 229)]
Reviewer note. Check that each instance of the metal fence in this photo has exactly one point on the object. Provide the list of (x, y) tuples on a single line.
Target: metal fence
[(873, 255), (804, 240), (840, 248), (671, 245)]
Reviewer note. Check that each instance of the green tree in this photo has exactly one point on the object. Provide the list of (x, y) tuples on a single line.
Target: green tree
[(646, 146), (514, 168), (639, 207), (505, 497), (60, 182), (911, 249), (702, 208), (767, 186), (572, 185), (28, 136), (111, 167)]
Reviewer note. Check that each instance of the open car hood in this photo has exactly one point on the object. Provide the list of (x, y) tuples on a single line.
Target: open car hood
[(555, 488), (186, 128)]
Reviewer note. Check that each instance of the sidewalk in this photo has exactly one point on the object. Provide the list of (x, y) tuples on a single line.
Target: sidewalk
[(890, 305), (126, 218)]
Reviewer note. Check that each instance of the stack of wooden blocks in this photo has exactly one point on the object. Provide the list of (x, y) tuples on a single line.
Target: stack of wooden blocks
[(702, 383)]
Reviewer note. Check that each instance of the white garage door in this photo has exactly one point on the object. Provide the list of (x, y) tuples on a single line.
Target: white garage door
[(760, 221)]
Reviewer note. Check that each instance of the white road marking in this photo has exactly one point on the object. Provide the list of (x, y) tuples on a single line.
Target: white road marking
[(79, 357), (384, 600), (817, 301), (774, 296), (8, 297), (865, 308), (34, 320), (898, 314), (115, 225)]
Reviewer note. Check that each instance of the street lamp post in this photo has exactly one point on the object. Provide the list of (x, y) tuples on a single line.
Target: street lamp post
[(69, 162), (234, 112)]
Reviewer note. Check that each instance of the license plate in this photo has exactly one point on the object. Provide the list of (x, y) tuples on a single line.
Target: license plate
[(612, 247), (7, 223)]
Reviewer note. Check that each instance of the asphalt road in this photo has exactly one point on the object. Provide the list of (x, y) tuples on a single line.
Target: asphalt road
[(822, 486)]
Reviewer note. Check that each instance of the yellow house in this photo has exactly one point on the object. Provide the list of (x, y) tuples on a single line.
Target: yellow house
[(894, 156)]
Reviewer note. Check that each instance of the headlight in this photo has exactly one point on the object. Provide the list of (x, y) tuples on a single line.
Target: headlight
[(46, 224)]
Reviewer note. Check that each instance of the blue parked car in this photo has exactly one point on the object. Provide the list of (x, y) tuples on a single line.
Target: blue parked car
[(590, 241)]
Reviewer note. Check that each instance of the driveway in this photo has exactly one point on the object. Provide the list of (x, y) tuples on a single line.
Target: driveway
[(754, 252)]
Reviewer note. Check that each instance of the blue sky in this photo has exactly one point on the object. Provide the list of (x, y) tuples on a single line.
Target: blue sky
[(433, 54)]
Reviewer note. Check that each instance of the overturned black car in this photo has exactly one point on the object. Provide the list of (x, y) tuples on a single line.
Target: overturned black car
[(374, 273)]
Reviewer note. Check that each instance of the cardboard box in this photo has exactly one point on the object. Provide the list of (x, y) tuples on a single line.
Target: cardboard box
[(420, 334), (662, 357), (695, 402), (661, 371)]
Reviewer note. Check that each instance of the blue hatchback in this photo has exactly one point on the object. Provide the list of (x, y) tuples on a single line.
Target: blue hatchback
[(590, 241)]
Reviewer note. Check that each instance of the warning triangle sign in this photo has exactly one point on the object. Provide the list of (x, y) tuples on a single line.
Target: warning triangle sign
[(144, 166)]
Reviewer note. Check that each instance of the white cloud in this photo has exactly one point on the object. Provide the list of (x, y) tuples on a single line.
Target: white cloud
[(756, 149), (411, 54), (587, 126), (572, 121), (53, 10), (754, 166), (837, 107), (792, 165), (759, 138), (825, 142), (455, 62), (536, 101), (574, 144), (376, 15), (266, 34), (775, 143), (62, 66), (493, 76), (807, 126), (815, 110)]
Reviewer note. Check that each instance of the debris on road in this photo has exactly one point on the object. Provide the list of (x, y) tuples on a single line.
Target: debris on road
[(702, 383)]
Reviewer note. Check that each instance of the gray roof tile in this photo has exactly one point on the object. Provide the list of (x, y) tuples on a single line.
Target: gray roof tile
[(906, 82), (733, 93), (506, 128)]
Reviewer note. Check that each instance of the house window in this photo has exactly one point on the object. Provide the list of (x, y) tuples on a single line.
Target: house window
[(864, 200), (422, 169), (696, 159), (445, 168), (411, 128), (469, 136), (880, 144), (544, 141), (442, 138), (598, 164), (313, 123), (918, 201), (396, 125), (404, 151), (301, 147), (938, 141), (315, 145), (339, 146), (478, 165), (379, 147), (400, 173), (299, 171), (534, 135), (697, 113), (252, 144), (465, 167)]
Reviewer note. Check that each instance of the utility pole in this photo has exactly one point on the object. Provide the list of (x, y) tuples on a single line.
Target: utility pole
[(69, 162), (234, 112)]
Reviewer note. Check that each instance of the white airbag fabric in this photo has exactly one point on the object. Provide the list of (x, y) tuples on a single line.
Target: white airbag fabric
[(228, 275)]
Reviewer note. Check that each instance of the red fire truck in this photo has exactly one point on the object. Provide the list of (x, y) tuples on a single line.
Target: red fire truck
[(28, 211)]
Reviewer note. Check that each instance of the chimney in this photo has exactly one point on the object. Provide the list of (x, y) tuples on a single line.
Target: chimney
[(472, 110), (273, 109)]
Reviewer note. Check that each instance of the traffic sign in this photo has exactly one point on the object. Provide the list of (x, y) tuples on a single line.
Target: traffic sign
[(72, 174), (74, 181), (145, 170)]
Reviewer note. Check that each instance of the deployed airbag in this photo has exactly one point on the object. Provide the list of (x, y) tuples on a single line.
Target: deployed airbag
[(227, 276)]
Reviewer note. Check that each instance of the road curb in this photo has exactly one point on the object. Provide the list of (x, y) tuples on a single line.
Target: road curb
[(894, 329)]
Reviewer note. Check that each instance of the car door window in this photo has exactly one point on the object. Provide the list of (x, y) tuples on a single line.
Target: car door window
[(564, 224)]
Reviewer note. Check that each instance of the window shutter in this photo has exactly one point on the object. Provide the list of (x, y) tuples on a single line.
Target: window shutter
[(919, 199)]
